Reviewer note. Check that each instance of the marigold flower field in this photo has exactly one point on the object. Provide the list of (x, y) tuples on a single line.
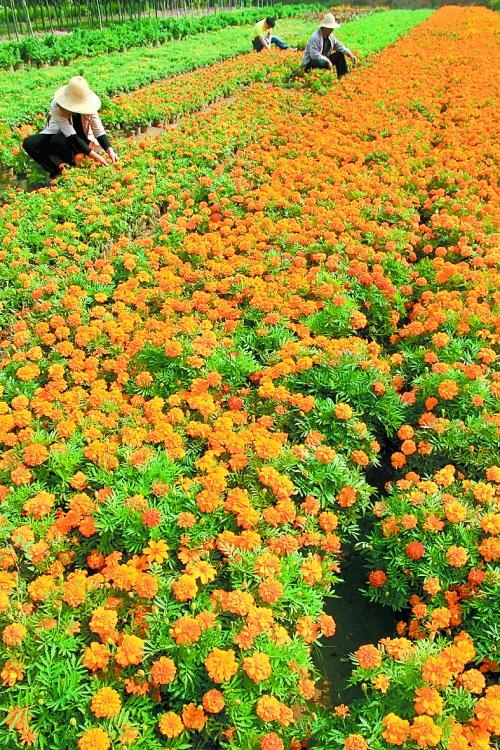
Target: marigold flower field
[(265, 334)]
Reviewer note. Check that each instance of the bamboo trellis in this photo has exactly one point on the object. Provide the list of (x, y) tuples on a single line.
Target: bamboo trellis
[(29, 17)]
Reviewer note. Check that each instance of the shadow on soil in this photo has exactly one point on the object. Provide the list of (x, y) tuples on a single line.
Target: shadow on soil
[(358, 622)]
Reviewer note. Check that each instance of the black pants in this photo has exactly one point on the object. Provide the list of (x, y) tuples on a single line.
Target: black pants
[(49, 151), (336, 58)]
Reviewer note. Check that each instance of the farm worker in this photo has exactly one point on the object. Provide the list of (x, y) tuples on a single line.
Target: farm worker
[(323, 50), (264, 36), (73, 127)]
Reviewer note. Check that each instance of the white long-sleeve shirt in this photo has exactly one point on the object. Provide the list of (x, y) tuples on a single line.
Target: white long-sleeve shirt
[(61, 121), (317, 42)]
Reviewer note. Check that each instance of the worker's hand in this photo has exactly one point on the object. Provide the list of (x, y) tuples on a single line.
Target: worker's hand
[(98, 158), (112, 155), (354, 59)]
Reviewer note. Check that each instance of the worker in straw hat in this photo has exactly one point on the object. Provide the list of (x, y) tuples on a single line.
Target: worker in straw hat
[(73, 127), (324, 50)]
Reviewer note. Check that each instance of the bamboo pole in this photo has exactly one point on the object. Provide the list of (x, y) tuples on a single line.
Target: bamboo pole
[(99, 14), (14, 19), (28, 19)]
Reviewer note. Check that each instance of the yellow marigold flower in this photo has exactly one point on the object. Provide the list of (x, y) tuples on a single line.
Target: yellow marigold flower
[(156, 551)]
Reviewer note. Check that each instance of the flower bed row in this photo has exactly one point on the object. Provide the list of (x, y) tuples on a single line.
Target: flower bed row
[(55, 48), (166, 100), (26, 94), (188, 412)]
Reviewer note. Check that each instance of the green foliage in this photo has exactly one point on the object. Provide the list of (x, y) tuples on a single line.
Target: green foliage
[(83, 42)]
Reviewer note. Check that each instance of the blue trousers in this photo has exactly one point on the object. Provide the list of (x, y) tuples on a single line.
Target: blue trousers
[(258, 46)]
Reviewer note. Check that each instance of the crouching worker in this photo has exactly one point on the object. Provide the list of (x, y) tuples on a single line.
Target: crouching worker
[(326, 51), (73, 127), (264, 36)]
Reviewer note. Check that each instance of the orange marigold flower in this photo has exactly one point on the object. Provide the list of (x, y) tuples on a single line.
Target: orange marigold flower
[(94, 739), (396, 730), (306, 688), (185, 588), (185, 630), (454, 511), (328, 521), (435, 670), (105, 703), (489, 549), (324, 454), (129, 735), (377, 578), (151, 517), (487, 711), (40, 505), (163, 671), (493, 474), (271, 741), (271, 590), (355, 742), (342, 711), (368, 657), (257, 667), (186, 520), (213, 701), (457, 556), (415, 550), (473, 681), (221, 665), (35, 454), (448, 389), (327, 625), (13, 634), (312, 570), (347, 495), (307, 629), (269, 708), (343, 411), (193, 717), (267, 565), (11, 673), (428, 701), (381, 682), (130, 651), (103, 622), (425, 732), (96, 656), (170, 725)]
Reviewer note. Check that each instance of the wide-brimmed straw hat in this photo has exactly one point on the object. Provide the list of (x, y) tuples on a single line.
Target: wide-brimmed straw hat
[(329, 22), (77, 96)]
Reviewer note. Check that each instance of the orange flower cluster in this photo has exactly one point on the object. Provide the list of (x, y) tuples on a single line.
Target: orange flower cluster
[(201, 348)]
